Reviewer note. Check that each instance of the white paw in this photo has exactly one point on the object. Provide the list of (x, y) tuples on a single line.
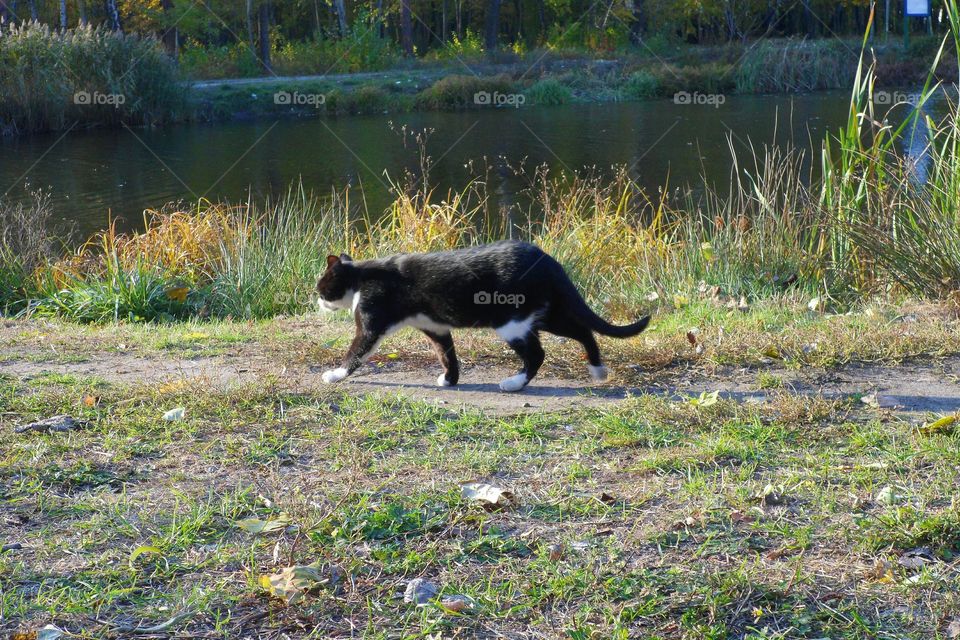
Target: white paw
[(334, 375), (597, 373), (514, 383), (442, 381)]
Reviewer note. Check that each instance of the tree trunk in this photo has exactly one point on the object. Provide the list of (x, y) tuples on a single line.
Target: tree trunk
[(251, 37), (493, 25), (381, 20), (63, 15), (316, 18), (82, 9), (341, 9), (639, 25), (33, 10), (808, 26), (542, 17), (444, 31), (171, 38), (406, 28), (113, 15), (265, 36)]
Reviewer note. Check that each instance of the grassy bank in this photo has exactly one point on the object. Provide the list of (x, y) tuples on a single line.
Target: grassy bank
[(95, 77), (656, 517)]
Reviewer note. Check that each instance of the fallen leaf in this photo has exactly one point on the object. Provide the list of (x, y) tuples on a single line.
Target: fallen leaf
[(50, 632), (887, 496), (705, 399), (692, 337), (680, 300), (944, 425), (53, 424), (881, 571), (178, 294), (90, 401), (815, 304), (420, 592), (916, 558), (953, 629), (175, 415), (458, 603), (870, 400), (255, 525), (556, 552), (653, 296), (294, 582), (486, 493), (743, 305), (773, 352)]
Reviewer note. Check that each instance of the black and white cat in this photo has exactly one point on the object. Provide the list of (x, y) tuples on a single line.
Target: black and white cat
[(513, 287)]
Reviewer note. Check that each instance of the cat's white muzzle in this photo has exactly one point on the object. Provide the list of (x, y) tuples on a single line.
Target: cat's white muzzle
[(346, 302)]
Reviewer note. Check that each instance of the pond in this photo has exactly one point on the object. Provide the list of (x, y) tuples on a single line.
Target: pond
[(93, 175)]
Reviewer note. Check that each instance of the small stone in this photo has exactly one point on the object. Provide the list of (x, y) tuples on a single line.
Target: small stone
[(13, 546)]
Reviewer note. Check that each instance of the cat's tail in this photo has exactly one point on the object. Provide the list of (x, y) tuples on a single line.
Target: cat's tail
[(579, 309)]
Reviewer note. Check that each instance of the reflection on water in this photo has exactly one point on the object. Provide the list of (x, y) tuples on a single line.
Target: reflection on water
[(94, 174)]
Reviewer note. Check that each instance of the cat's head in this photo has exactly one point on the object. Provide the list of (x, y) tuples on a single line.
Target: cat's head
[(335, 285)]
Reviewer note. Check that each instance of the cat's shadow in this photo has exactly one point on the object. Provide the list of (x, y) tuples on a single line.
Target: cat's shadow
[(533, 389)]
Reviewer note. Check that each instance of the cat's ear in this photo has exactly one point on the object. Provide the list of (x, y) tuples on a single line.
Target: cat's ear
[(332, 260), (345, 258)]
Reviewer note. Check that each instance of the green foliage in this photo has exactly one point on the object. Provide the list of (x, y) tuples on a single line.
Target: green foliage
[(90, 75), (459, 91), (548, 92), (796, 65), (640, 85)]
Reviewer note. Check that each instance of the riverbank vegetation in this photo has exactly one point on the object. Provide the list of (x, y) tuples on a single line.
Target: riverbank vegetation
[(94, 76), (51, 80)]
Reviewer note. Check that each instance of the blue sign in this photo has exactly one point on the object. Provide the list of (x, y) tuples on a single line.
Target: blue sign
[(916, 8)]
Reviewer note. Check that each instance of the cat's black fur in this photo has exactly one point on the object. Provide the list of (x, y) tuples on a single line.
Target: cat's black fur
[(513, 287)]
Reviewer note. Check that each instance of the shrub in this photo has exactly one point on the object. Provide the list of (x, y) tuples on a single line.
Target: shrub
[(549, 91), (796, 65), (459, 91), (640, 85), (25, 245), (90, 75)]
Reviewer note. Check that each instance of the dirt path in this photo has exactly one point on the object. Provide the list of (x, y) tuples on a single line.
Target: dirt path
[(910, 388)]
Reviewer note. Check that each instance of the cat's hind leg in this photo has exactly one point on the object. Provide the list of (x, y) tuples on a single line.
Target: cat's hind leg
[(447, 355), (569, 328)]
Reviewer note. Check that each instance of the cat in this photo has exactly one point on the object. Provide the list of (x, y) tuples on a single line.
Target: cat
[(513, 287)]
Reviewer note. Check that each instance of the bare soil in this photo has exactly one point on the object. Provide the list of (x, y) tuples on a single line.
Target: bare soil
[(913, 387)]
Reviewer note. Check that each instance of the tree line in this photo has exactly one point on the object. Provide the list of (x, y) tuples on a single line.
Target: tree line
[(419, 26)]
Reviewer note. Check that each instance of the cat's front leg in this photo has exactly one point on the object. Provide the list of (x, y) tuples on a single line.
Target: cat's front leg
[(447, 355), (364, 343)]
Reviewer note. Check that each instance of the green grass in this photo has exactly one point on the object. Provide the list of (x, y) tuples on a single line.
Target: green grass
[(602, 538)]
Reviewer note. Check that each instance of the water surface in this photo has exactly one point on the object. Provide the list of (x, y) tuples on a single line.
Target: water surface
[(92, 175)]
